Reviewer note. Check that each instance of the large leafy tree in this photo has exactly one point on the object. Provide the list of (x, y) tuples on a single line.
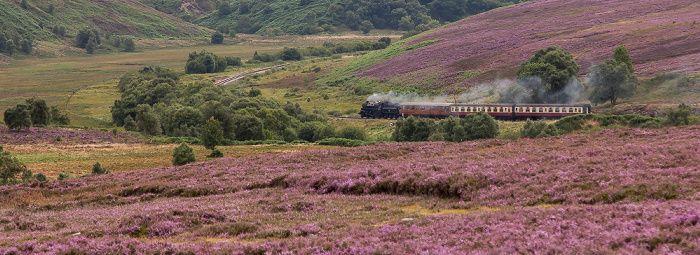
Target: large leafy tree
[(555, 68), (610, 81), (147, 120), (18, 117)]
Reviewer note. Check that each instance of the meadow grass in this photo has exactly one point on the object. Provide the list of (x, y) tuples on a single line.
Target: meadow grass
[(77, 160), (94, 77)]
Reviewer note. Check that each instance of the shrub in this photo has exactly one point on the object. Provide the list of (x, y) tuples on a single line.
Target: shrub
[(680, 116), (480, 126), (353, 132), (217, 38), (183, 154), (10, 167), (98, 169), (413, 129), (63, 176), (532, 129), (41, 177), (216, 153)]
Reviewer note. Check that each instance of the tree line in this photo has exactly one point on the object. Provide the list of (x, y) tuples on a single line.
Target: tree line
[(551, 76), (34, 112), (154, 101)]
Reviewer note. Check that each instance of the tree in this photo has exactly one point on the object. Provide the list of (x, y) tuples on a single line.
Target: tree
[(289, 54), (212, 133), (130, 124), (217, 38), (57, 118), (129, 45), (610, 81), (10, 167), (91, 46), (147, 120), (40, 112), (247, 127), (85, 35), (24, 4), (621, 56), (18, 117), (183, 154), (366, 26), (223, 8), (556, 69)]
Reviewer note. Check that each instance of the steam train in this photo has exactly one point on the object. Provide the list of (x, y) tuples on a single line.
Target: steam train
[(389, 110)]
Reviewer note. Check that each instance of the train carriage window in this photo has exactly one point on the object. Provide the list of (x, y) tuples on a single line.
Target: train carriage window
[(556, 109), (422, 108), (571, 109)]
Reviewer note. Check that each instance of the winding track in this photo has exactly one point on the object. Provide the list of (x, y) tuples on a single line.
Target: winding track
[(234, 78)]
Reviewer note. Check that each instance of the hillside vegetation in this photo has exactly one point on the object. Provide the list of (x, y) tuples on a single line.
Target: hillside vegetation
[(315, 16), (627, 191), (122, 17), (491, 45)]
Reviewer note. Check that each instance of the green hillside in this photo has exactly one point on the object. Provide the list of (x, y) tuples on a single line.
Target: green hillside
[(120, 17), (315, 16)]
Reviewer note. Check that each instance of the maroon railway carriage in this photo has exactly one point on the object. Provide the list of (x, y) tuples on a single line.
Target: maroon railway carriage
[(424, 109)]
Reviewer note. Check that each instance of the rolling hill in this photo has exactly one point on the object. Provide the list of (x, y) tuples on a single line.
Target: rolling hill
[(661, 37), (122, 17)]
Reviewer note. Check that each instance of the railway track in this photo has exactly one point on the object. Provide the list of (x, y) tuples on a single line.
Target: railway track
[(234, 78)]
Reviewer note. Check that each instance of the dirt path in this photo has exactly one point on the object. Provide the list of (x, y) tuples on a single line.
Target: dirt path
[(228, 79)]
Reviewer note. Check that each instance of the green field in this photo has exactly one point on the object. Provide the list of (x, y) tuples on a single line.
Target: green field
[(93, 78)]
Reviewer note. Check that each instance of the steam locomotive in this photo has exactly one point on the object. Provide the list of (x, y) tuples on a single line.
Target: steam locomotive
[(388, 110)]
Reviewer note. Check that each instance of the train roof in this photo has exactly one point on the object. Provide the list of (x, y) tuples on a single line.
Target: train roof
[(426, 103), (551, 105), (487, 105)]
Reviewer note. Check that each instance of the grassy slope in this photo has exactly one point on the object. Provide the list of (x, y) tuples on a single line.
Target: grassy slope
[(494, 43), (286, 15), (125, 17)]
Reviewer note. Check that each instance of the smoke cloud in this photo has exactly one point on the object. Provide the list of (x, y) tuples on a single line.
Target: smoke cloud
[(525, 90)]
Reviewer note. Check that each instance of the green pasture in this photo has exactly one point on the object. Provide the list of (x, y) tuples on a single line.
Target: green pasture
[(93, 78)]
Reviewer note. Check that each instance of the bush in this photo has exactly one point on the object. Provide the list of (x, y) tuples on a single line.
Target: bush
[(535, 129), (63, 176), (413, 129), (480, 126), (98, 169), (10, 167), (680, 116), (183, 154), (217, 38), (216, 153), (41, 177), (353, 133)]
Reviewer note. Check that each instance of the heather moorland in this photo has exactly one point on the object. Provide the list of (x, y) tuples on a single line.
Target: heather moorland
[(491, 45), (613, 191)]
